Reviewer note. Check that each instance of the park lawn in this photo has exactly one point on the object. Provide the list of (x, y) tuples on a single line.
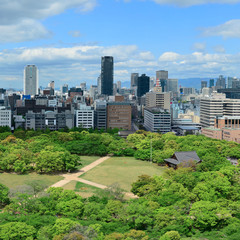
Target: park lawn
[(86, 160), (12, 180), (82, 189), (122, 170)]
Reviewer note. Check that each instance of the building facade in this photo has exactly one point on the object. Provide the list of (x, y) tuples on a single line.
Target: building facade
[(158, 99), (157, 120), (100, 114), (134, 79), (53, 120), (5, 117), (162, 76), (119, 115), (30, 80), (107, 75), (217, 105), (85, 117), (143, 85)]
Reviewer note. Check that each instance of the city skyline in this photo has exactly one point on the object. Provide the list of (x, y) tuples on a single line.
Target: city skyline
[(65, 41)]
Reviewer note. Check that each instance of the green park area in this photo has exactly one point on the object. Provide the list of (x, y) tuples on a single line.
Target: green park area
[(122, 170), (86, 160), (12, 180), (82, 189)]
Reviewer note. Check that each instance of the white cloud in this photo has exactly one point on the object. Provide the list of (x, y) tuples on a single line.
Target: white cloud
[(219, 49), (169, 57), (25, 30), (75, 33), (230, 29), (82, 63), (15, 10), (19, 19), (188, 3), (200, 47), (76, 64)]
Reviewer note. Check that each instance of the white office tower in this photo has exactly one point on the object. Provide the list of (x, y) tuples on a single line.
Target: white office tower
[(30, 80)]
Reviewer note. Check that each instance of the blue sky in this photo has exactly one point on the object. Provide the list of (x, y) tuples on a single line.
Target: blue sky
[(66, 39)]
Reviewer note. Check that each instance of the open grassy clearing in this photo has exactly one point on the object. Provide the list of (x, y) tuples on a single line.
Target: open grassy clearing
[(82, 189), (86, 160), (123, 170), (12, 180)]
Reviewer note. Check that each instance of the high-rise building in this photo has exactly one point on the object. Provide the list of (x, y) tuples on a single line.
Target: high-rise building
[(158, 99), (221, 82), (203, 84), (235, 83), (134, 79), (162, 76), (142, 85), (157, 120), (217, 105), (64, 89), (229, 82), (99, 84), (30, 81), (83, 86), (119, 85), (52, 85), (107, 75), (100, 114), (172, 85), (119, 115), (93, 91), (211, 83)]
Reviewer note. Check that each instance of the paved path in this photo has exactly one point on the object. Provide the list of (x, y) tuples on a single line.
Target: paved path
[(74, 176), (68, 177)]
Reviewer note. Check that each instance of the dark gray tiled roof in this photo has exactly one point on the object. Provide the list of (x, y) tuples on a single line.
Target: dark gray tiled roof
[(183, 157)]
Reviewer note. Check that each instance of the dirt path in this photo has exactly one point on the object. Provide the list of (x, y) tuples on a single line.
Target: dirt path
[(74, 176), (68, 177)]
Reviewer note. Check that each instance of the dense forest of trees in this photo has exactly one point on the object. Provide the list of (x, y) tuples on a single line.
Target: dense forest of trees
[(196, 202)]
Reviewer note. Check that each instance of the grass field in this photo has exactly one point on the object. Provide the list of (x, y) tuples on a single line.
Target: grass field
[(82, 189), (86, 160), (122, 170), (12, 180)]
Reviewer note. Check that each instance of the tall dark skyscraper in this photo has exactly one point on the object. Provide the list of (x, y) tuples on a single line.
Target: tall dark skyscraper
[(211, 83), (107, 75), (142, 85)]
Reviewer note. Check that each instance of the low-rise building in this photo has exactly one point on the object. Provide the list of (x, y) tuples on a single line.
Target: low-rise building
[(85, 116), (53, 120), (225, 128), (157, 120), (5, 117)]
